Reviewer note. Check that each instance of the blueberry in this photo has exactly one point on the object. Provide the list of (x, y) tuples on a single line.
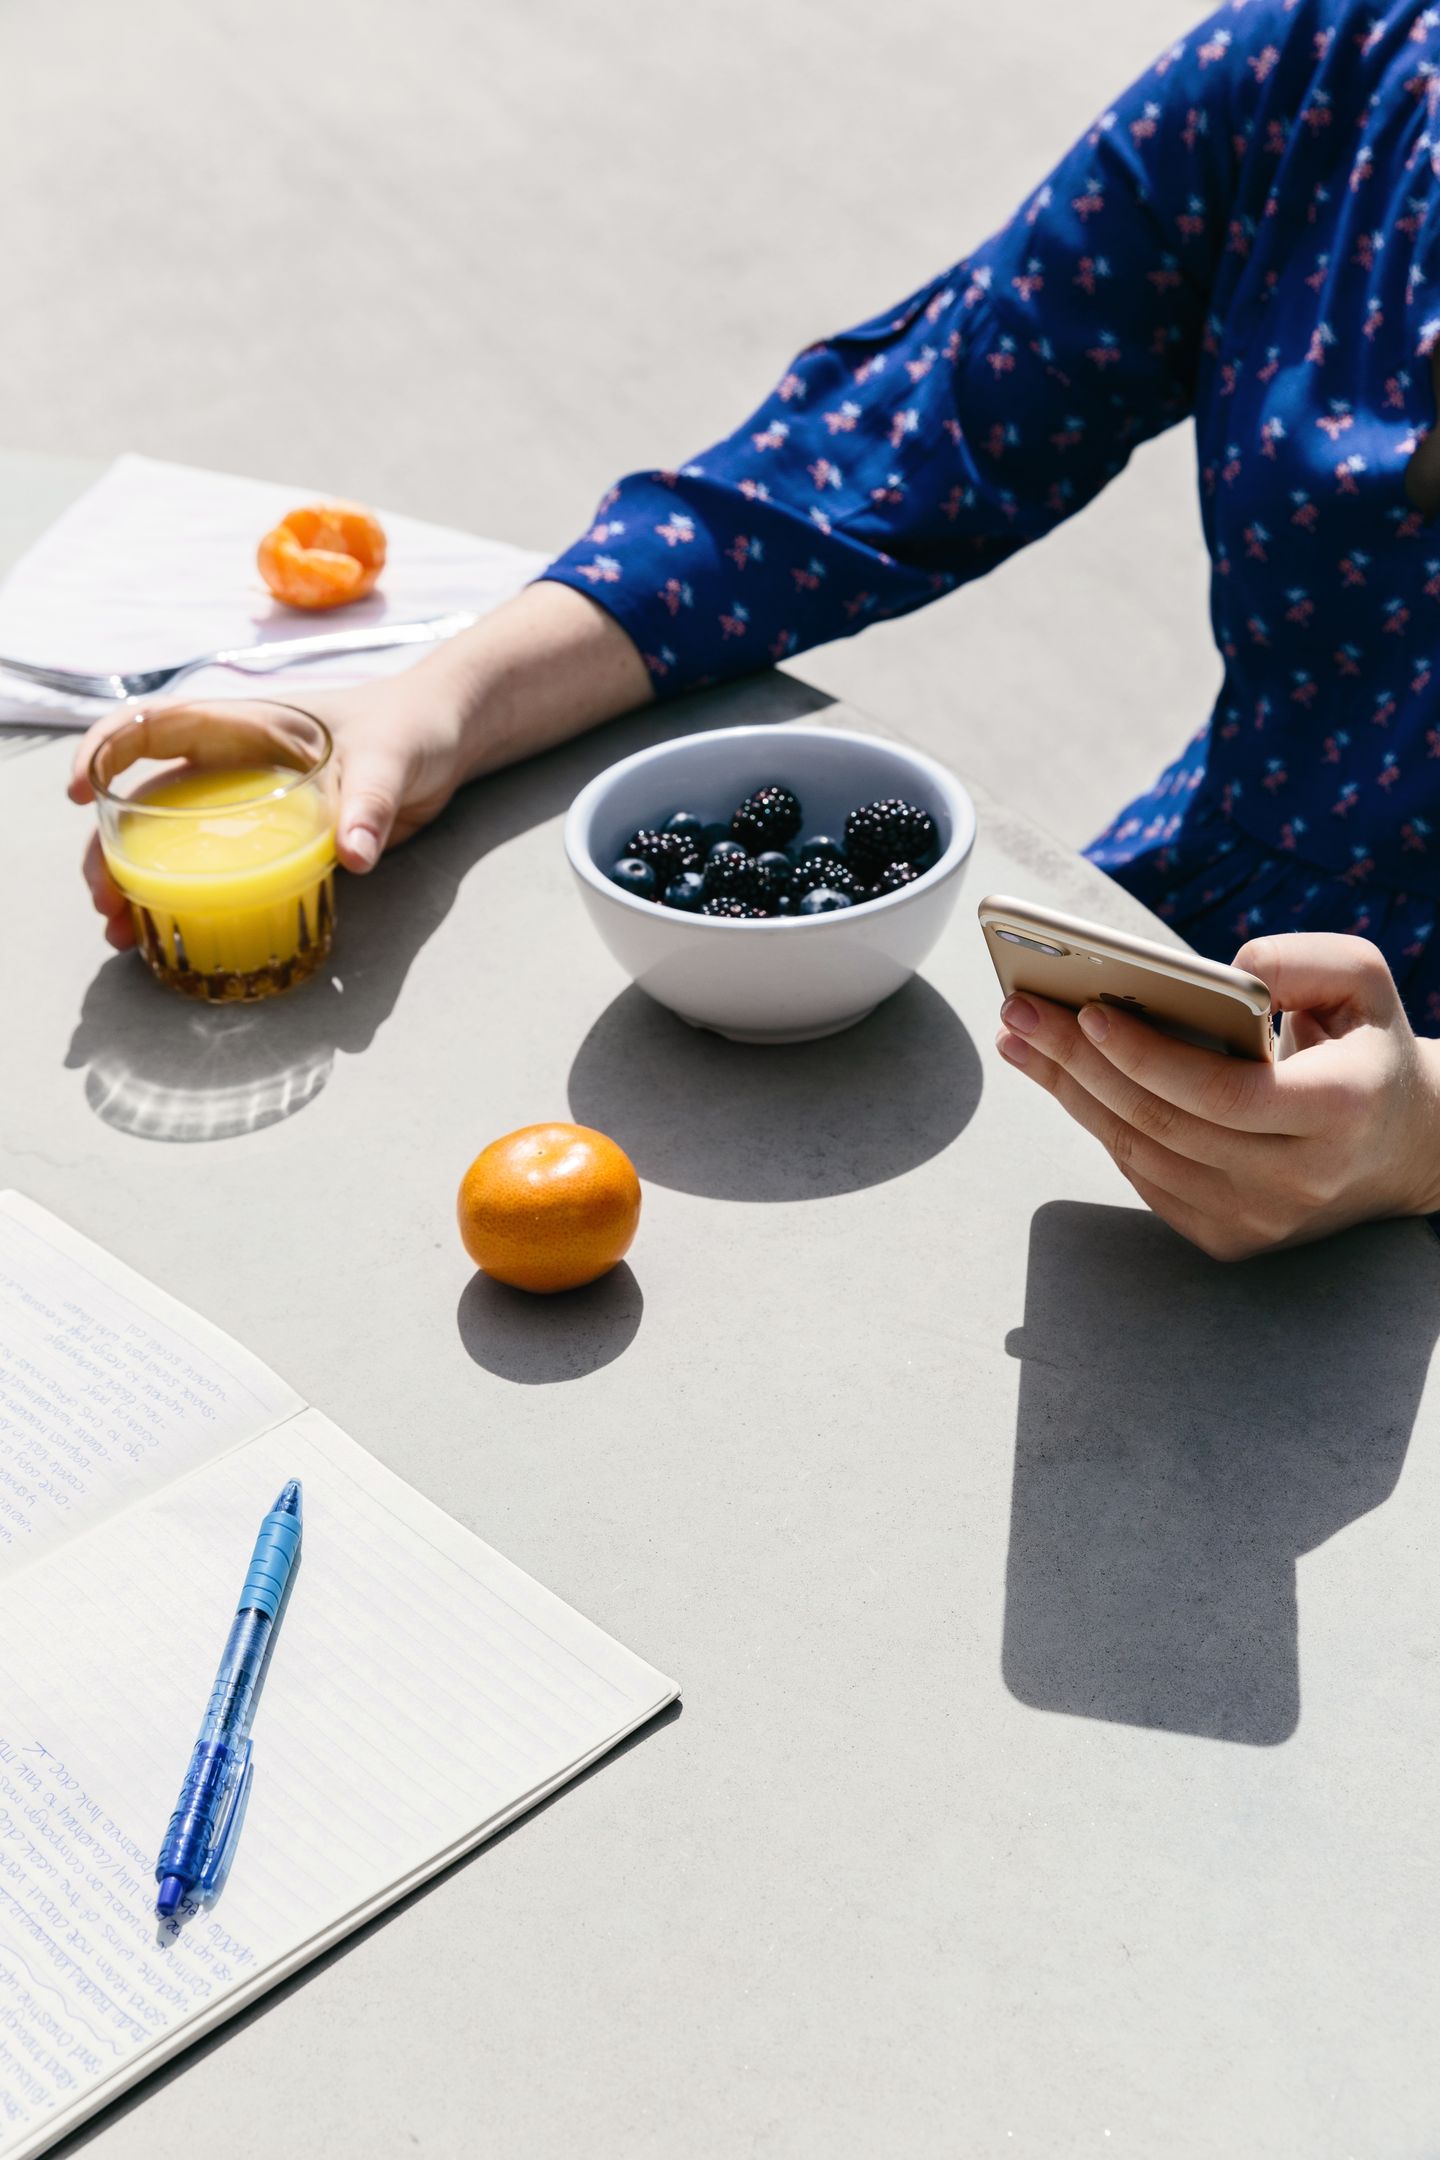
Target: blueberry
[(724, 847), (822, 844), (710, 833), (772, 871), (685, 821), (824, 902), (686, 892), (634, 876)]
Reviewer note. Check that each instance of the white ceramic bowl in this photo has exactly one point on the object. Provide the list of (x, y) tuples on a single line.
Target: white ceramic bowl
[(788, 978)]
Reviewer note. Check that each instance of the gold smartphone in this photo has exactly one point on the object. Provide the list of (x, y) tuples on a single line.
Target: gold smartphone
[(1075, 963)]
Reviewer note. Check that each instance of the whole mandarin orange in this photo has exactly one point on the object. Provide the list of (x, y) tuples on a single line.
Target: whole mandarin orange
[(323, 555), (549, 1207)]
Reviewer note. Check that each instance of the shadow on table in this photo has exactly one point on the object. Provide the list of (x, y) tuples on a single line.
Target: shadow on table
[(16, 741), (797, 1121), (1185, 1432), (165, 1068), (539, 1340), (126, 2102)]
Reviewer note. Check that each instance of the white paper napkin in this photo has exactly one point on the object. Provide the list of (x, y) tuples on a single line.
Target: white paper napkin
[(156, 563)]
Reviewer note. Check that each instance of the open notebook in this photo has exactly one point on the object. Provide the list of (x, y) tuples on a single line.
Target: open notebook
[(421, 1693)]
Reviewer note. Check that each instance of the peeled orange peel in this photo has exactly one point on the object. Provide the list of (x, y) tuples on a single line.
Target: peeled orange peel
[(323, 555)]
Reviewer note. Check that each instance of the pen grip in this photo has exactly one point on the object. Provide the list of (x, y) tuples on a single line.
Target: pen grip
[(271, 1562), (192, 1826)]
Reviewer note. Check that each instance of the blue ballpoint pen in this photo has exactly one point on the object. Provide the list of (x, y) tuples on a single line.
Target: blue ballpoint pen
[(198, 1843)]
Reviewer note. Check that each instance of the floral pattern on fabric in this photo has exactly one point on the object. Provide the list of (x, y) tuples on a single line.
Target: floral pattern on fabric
[(1249, 237)]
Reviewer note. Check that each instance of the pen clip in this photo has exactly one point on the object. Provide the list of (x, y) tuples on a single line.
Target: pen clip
[(217, 1867)]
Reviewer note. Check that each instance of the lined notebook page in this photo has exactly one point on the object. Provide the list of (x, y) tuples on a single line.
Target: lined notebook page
[(421, 1692), (108, 1388)]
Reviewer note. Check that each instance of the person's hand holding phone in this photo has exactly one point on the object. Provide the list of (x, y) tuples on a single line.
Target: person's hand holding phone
[(1240, 1156)]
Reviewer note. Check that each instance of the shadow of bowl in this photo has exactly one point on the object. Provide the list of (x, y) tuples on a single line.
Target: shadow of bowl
[(802, 1121), (536, 1341)]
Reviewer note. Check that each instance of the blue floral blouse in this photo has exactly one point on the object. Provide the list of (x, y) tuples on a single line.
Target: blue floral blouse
[(1249, 236)]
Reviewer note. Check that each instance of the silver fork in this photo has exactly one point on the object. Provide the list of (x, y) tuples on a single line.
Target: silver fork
[(245, 659)]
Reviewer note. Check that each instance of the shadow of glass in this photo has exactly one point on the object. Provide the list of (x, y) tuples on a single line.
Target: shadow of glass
[(1185, 1432), (539, 1340), (798, 1121), (165, 1068), (162, 1067)]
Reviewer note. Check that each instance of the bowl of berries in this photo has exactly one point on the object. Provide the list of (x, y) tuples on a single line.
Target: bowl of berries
[(774, 884)]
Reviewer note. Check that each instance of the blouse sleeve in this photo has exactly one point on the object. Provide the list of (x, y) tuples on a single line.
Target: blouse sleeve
[(913, 453)]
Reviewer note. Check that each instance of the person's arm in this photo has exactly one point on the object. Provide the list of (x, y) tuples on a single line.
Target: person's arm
[(892, 463), (538, 671), (544, 667), (914, 453)]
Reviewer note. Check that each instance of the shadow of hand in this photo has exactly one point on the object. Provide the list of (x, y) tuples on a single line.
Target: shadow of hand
[(1185, 1432)]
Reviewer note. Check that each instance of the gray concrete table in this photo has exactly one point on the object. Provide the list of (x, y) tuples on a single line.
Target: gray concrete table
[(1055, 1610)]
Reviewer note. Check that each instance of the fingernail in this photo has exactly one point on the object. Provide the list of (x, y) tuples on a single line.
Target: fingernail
[(1018, 1012), (1095, 1021), (1015, 1052), (364, 845)]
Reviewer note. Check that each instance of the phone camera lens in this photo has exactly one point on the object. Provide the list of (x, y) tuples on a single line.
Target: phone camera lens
[(1013, 937)]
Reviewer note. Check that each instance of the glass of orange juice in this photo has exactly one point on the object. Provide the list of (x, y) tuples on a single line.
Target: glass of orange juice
[(218, 825)]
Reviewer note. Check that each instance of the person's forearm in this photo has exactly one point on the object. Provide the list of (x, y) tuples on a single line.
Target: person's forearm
[(546, 666)]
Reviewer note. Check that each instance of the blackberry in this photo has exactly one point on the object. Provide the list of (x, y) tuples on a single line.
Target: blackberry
[(893, 878), (813, 871), (766, 819), (733, 908), (668, 853), (823, 900), (734, 876), (634, 876), (890, 831)]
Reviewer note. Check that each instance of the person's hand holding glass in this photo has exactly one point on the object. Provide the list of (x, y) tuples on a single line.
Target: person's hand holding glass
[(217, 838), (539, 670)]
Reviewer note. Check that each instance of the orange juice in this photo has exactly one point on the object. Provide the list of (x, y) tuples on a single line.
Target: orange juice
[(229, 874)]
